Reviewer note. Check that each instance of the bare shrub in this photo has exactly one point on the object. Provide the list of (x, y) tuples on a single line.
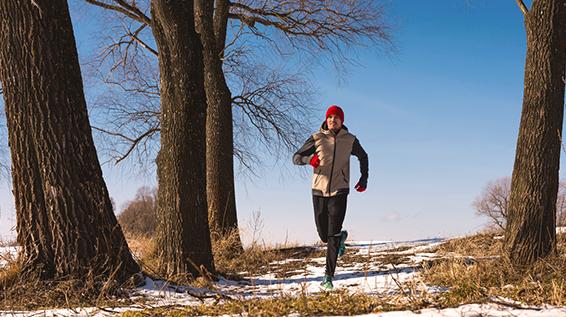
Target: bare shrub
[(139, 216), (493, 202)]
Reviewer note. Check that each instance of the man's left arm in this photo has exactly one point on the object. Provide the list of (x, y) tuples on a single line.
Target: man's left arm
[(362, 156)]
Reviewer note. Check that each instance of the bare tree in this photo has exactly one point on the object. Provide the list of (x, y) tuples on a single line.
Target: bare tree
[(139, 217), (531, 233), (65, 222), (270, 103), (493, 202)]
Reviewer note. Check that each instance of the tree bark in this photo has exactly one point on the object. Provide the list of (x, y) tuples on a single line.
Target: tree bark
[(65, 222), (531, 232), (211, 24), (183, 234)]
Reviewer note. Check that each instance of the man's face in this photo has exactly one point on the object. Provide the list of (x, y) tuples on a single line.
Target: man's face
[(333, 122)]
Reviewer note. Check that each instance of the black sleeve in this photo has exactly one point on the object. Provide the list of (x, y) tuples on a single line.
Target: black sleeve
[(362, 156), (302, 156)]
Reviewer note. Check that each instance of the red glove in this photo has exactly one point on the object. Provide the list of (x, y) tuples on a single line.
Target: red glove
[(359, 187), (315, 161)]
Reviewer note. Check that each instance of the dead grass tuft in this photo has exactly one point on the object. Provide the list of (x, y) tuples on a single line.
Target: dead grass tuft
[(25, 292), (257, 259), (479, 245), (490, 275), (143, 249), (9, 271), (232, 262), (20, 293)]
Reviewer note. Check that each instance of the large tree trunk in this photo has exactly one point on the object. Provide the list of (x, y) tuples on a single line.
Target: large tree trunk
[(532, 207), (211, 24), (65, 222), (183, 234)]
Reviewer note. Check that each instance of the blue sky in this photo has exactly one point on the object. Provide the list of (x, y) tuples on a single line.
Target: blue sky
[(438, 117)]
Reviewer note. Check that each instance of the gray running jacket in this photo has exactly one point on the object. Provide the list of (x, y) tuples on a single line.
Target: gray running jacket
[(332, 177)]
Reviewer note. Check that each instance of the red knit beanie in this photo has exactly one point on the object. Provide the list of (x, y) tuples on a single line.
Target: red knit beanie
[(335, 110)]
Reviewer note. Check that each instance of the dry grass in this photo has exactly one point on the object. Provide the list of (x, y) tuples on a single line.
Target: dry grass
[(336, 303), (144, 251), (18, 293), (141, 246), (9, 271), (479, 245), (258, 259), (490, 276), (482, 279), (230, 259)]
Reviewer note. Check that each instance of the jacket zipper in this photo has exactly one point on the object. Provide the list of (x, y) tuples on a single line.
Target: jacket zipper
[(332, 168)]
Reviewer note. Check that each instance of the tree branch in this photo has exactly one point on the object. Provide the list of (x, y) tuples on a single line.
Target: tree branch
[(134, 142), (135, 9), (144, 45), (124, 8), (523, 7), (323, 24)]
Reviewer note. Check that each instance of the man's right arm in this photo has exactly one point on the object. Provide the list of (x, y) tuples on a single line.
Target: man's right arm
[(303, 155)]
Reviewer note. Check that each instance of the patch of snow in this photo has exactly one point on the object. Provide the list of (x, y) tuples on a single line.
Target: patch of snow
[(286, 261), (368, 243), (475, 310)]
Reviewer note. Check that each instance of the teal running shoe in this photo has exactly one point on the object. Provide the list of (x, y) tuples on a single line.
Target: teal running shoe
[(342, 246), (326, 283)]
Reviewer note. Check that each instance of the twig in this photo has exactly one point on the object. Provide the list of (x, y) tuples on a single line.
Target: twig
[(409, 296), (140, 42), (213, 295), (107, 310), (500, 301)]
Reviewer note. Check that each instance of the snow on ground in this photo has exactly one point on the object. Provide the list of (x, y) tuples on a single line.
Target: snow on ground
[(7, 254), (371, 267), (477, 310)]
